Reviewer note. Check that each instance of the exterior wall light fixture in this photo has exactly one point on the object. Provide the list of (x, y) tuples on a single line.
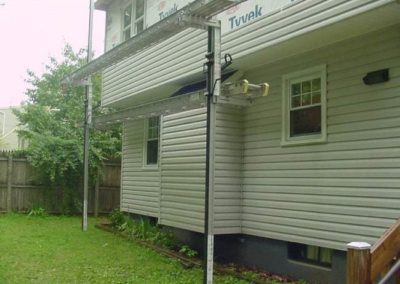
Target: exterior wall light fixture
[(376, 77)]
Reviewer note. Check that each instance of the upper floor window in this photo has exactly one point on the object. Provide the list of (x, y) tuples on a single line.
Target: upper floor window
[(139, 16), (127, 23), (152, 137), (133, 19), (304, 106), (2, 123)]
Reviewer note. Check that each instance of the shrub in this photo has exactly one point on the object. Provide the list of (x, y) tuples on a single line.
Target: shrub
[(141, 230), (117, 219), (37, 212), (165, 239), (186, 250), (145, 230)]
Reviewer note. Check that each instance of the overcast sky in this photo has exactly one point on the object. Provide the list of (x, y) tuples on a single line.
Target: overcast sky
[(33, 30)]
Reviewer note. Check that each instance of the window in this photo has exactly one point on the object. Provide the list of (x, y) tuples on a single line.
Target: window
[(310, 254), (152, 137), (304, 106), (2, 123), (127, 23), (133, 19), (139, 16)]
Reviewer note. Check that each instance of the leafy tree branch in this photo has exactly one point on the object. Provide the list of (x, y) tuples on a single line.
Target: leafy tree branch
[(52, 121)]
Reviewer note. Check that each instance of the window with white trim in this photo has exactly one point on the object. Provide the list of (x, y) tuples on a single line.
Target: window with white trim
[(304, 106), (139, 16), (127, 22), (133, 19), (152, 138)]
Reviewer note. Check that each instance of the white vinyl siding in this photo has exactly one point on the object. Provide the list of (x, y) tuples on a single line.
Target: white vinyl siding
[(183, 55), (228, 170), (140, 186), (183, 169), (347, 189), (326, 195), (175, 194)]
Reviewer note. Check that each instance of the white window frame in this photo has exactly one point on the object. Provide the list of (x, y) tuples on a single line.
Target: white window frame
[(146, 139), (3, 130), (134, 20), (123, 27), (287, 81)]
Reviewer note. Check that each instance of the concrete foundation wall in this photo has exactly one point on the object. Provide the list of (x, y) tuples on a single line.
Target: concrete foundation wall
[(267, 255)]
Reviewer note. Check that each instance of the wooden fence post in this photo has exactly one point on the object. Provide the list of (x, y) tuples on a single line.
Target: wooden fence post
[(96, 195), (9, 183), (358, 263)]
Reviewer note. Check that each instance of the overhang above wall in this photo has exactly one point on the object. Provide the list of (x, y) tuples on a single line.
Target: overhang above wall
[(102, 4), (197, 14), (319, 36), (266, 46)]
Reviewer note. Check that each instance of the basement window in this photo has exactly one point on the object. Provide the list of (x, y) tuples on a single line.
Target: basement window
[(152, 137), (304, 106), (310, 254)]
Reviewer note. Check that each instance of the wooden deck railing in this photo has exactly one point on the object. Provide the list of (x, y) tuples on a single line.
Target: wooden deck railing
[(366, 264)]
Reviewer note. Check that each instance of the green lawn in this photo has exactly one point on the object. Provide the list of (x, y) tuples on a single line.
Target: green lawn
[(55, 250)]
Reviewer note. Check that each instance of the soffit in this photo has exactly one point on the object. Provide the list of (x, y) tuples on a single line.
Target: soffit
[(102, 4)]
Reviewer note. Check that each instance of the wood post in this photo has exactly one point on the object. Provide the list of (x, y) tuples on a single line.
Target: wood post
[(9, 183), (358, 263), (96, 195)]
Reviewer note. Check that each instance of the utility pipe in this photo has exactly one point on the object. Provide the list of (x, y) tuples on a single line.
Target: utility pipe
[(87, 125), (213, 91)]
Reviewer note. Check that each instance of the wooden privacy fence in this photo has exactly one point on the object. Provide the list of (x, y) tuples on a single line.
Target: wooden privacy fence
[(19, 193)]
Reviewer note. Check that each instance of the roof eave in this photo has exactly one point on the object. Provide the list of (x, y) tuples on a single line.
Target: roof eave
[(102, 4), (158, 32)]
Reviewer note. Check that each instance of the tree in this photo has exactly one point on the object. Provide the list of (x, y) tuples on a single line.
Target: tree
[(53, 124)]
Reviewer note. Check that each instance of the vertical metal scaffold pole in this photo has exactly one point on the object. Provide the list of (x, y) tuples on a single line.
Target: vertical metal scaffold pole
[(87, 125), (213, 90)]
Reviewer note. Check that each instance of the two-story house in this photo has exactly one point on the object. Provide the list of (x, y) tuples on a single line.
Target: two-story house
[(297, 174)]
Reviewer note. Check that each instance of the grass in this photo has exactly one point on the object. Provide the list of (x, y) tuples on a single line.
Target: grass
[(53, 249)]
